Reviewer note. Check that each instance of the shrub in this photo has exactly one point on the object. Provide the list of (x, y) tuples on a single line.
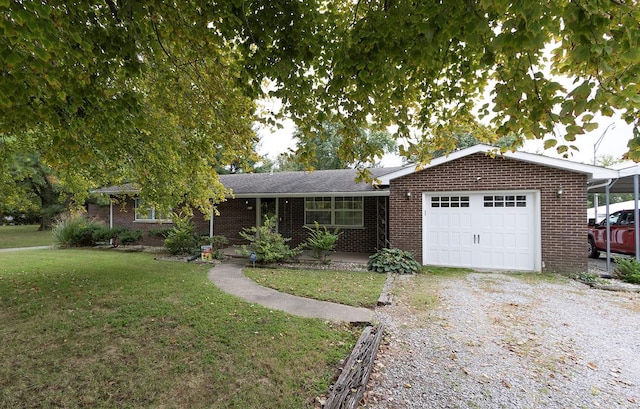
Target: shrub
[(269, 245), (104, 234), (75, 231), (181, 239), (393, 261), (128, 237), (628, 269), (586, 277), (159, 233), (116, 236), (321, 242)]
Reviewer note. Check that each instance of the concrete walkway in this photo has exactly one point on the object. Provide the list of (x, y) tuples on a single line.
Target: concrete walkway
[(229, 278), (25, 248)]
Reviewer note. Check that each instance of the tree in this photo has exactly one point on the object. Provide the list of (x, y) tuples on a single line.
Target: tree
[(148, 91), (467, 140), (34, 188), (608, 161), (130, 92), (323, 149)]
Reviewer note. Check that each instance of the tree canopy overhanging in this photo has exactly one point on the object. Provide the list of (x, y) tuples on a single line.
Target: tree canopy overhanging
[(161, 92)]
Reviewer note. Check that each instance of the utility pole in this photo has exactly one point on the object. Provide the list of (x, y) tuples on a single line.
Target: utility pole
[(595, 149)]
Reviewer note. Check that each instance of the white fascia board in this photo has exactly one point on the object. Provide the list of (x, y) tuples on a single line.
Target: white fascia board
[(593, 172), (630, 171), (116, 192), (374, 193)]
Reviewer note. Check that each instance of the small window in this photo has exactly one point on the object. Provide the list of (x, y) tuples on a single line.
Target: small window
[(505, 201), (450, 201), (146, 213)]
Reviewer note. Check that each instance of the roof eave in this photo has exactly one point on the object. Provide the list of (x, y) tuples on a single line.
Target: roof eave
[(592, 172)]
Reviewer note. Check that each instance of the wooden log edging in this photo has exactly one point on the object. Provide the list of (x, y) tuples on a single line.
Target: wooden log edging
[(385, 296), (352, 382)]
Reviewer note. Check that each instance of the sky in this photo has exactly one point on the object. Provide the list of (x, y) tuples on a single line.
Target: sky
[(613, 143)]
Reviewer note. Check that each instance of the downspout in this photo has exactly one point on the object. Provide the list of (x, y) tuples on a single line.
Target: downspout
[(608, 229), (608, 182), (110, 218), (211, 224)]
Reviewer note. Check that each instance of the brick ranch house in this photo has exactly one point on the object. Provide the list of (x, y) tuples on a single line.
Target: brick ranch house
[(516, 211)]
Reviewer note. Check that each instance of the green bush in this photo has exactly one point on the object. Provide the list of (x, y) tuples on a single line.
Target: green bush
[(321, 242), (159, 233), (75, 231), (181, 239), (128, 237), (104, 234), (116, 236), (393, 261), (269, 245), (586, 277), (628, 269)]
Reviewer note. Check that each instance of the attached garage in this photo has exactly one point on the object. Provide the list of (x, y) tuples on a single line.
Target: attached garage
[(479, 209), (488, 230)]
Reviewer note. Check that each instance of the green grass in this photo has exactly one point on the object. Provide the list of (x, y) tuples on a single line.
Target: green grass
[(355, 288), (446, 271), (91, 328), (24, 236)]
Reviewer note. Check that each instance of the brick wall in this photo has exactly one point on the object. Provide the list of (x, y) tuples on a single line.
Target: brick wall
[(124, 216), (236, 214), (563, 227), (98, 212)]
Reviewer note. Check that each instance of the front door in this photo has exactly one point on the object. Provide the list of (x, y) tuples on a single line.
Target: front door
[(268, 208)]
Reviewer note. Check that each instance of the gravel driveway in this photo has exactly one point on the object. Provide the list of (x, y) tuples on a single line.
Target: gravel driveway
[(484, 340)]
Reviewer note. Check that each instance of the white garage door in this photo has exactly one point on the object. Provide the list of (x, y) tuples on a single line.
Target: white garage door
[(488, 230)]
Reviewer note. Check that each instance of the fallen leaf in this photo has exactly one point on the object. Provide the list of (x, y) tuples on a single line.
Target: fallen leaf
[(592, 365), (506, 384)]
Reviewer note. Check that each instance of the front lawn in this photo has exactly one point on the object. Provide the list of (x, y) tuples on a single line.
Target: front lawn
[(111, 329), (24, 236), (355, 288)]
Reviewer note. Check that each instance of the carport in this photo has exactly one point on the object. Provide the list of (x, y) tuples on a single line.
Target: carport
[(626, 180)]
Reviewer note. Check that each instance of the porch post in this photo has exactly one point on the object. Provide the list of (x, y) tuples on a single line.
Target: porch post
[(608, 231), (636, 226), (211, 223), (110, 218)]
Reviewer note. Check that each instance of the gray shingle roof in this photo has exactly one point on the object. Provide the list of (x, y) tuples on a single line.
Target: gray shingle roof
[(287, 183), (319, 181)]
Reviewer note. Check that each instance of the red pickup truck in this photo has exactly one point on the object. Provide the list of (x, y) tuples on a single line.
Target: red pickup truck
[(623, 239)]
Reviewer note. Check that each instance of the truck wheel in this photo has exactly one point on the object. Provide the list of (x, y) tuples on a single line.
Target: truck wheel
[(593, 251)]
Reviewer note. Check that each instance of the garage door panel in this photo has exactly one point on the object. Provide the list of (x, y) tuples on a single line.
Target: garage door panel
[(492, 230)]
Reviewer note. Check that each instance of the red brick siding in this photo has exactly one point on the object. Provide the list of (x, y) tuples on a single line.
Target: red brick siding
[(98, 212), (124, 216), (235, 215), (563, 227)]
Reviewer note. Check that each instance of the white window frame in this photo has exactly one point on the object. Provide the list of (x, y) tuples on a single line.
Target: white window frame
[(333, 210), (139, 204)]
